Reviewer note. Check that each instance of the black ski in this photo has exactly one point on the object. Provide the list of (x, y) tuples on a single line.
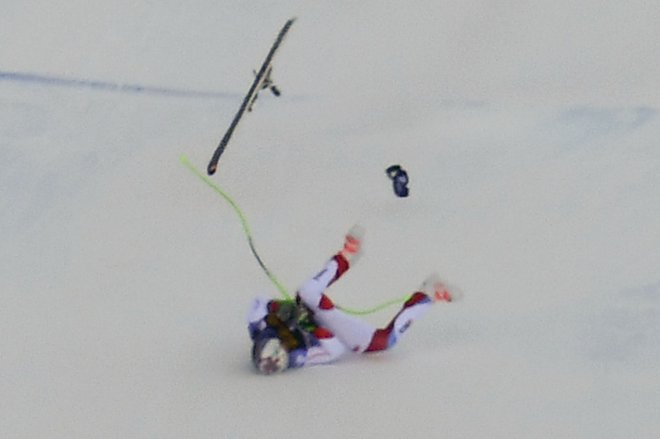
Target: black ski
[(261, 80)]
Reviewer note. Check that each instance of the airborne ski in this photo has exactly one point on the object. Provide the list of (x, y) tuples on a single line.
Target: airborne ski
[(262, 80)]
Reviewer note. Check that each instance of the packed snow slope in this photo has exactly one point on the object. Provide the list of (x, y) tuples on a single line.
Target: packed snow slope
[(530, 133)]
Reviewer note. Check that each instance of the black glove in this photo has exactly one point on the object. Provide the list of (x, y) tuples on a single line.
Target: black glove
[(399, 179)]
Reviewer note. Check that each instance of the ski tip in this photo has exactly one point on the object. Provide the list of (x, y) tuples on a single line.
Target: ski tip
[(211, 168)]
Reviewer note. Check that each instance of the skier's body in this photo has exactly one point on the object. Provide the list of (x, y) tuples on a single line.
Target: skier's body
[(314, 331)]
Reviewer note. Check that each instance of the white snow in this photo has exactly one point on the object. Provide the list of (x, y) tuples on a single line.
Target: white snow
[(530, 134)]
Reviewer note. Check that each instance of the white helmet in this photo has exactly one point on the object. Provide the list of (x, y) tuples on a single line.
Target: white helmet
[(269, 355)]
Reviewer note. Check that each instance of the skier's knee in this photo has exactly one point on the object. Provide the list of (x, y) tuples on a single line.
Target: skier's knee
[(310, 293)]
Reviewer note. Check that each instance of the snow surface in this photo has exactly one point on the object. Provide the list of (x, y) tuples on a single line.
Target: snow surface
[(530, 132)]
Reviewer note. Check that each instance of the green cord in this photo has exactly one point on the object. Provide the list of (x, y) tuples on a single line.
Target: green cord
[(244, 223), (375, 309), (248, 234)]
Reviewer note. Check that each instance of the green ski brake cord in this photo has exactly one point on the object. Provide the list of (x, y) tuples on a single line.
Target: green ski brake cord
[(248, 235)]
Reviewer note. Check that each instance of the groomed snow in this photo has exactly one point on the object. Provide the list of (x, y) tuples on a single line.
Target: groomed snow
[(530, 134)]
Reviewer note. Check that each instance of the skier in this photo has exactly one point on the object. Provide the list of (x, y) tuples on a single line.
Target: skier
[(312, 330)]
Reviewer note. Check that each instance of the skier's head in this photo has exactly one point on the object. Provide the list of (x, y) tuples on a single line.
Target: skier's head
[(269, 354)]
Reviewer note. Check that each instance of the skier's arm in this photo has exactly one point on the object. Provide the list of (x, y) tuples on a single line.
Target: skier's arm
[(255, 317)]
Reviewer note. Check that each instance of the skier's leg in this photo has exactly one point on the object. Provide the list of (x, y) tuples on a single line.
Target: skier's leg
[(335, 267), (352, 332), (387, 337), (358, 335), (355, 333), (431, 291), (327, 349)]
